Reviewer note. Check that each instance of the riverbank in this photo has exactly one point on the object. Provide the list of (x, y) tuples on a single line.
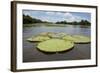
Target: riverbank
[(43, 24), (50, 25)]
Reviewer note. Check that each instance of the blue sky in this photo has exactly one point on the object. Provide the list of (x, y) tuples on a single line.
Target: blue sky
[(53, 16)]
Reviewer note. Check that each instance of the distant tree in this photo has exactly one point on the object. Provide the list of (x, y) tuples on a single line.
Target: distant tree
[(84, 22), (57, 22), (28, 20), (61, 22), (75, 23)]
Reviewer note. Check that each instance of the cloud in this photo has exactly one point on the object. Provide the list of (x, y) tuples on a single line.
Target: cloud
[(50, 13), (55, 13), (71, 17), (54, 16), (59, 13), (67, 16), (27, 12)]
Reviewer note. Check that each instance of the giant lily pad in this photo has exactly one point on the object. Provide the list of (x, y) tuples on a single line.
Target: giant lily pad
[(55, 45), (77, 38), (38, 38)]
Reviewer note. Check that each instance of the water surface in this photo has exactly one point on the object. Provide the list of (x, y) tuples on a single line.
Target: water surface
[(32, 54)]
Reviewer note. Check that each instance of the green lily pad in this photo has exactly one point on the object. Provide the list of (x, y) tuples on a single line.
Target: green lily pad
[(55, 45), (38, 38), (62, 34), (82, 39), (46, 33), (77, 38), (52, 34), (56, 35)]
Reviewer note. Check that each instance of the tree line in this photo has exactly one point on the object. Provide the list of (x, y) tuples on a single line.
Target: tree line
[(29, 20), (82, 22)]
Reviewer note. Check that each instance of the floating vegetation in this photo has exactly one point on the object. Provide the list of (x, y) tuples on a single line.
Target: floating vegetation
[(38, 38), (55, 45), (57, 42), (77, 38), (44, 33), (56, 35)]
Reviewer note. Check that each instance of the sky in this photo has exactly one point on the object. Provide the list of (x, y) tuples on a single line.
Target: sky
[(54, 16)]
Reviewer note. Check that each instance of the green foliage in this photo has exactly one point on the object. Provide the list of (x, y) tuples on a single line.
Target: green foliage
[(61, 22), (28, 19), (82, 22)]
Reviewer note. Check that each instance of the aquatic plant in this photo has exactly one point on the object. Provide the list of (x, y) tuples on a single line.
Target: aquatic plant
[(57, 42), (55, 45), (38, 38)]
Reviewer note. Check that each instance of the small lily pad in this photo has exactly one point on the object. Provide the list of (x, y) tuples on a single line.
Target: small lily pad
[(38, 38), (54, 36), (77, 38), (62, 34), (82, 39), (55, 45), (46, 33), (57, 35)]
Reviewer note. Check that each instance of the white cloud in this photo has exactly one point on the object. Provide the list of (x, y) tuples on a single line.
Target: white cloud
[(59, 13), (46, 18), (27, 12), (70, 17), (68, 14), (50, 13), (56, 16)]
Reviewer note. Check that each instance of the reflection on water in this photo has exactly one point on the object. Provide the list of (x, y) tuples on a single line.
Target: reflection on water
[(32, 54)]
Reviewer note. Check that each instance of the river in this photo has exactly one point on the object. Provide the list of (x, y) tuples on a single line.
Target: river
[(79, 52)]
